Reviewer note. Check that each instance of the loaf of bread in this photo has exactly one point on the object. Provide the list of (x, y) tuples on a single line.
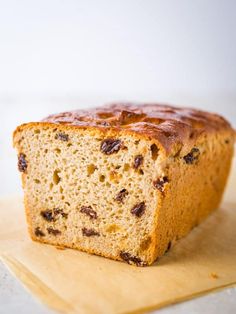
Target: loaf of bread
[(124, 181)]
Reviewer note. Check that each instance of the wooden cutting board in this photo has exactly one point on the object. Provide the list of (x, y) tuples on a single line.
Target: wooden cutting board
[(70, 281)]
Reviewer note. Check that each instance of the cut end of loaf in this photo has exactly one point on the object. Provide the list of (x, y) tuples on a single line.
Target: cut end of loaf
[(97, 193)]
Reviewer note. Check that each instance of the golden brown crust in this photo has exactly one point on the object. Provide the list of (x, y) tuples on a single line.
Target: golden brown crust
[(169, 125)]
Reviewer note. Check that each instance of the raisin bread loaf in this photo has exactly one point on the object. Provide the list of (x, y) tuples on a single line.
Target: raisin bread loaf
[(124, 181)]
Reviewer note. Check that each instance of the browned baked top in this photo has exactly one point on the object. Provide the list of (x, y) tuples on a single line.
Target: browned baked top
[(166, 123)]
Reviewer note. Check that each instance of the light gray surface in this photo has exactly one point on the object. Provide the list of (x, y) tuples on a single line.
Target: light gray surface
[(127, 47), (14, 299)]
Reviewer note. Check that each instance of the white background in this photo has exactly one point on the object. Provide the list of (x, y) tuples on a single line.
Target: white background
[(129, 48)]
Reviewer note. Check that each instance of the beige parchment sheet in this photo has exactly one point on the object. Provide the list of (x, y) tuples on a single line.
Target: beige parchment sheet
[(70, 281)]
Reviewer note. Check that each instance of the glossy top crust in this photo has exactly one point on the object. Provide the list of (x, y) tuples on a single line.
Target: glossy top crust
[(165, 123)]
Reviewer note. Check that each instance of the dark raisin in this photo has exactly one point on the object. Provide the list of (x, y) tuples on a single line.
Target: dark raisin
[(62, 136), (110, 146), (58, 211), (139, 209), (192, 157), (104, 123), (138, 161), (168, 247), (90, 232), (160, 183), (89, 212), (22, 163), (121, 195), (47, 215), (130, 259), (38, 232), (141, 171), (226, 141), (53, 231), (50, 215)]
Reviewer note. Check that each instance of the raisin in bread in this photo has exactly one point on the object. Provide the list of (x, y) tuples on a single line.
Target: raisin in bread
[(123, 181)]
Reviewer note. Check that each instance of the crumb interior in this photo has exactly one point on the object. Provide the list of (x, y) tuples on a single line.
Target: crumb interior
[(92, 192)]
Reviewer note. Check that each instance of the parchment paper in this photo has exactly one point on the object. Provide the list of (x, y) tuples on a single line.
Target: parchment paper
[(70, 281)]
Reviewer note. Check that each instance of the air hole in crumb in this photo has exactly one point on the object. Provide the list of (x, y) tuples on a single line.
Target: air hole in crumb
[(56, 178), (45, 151), (61, 189), (115, 176), (37, 181), (51, 186), (37, 131), (154, 151), (102, 178), (69, 145), (126, 167), (75, 151), (90, 169), (57, 150), (64, 161), (113, 228)]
